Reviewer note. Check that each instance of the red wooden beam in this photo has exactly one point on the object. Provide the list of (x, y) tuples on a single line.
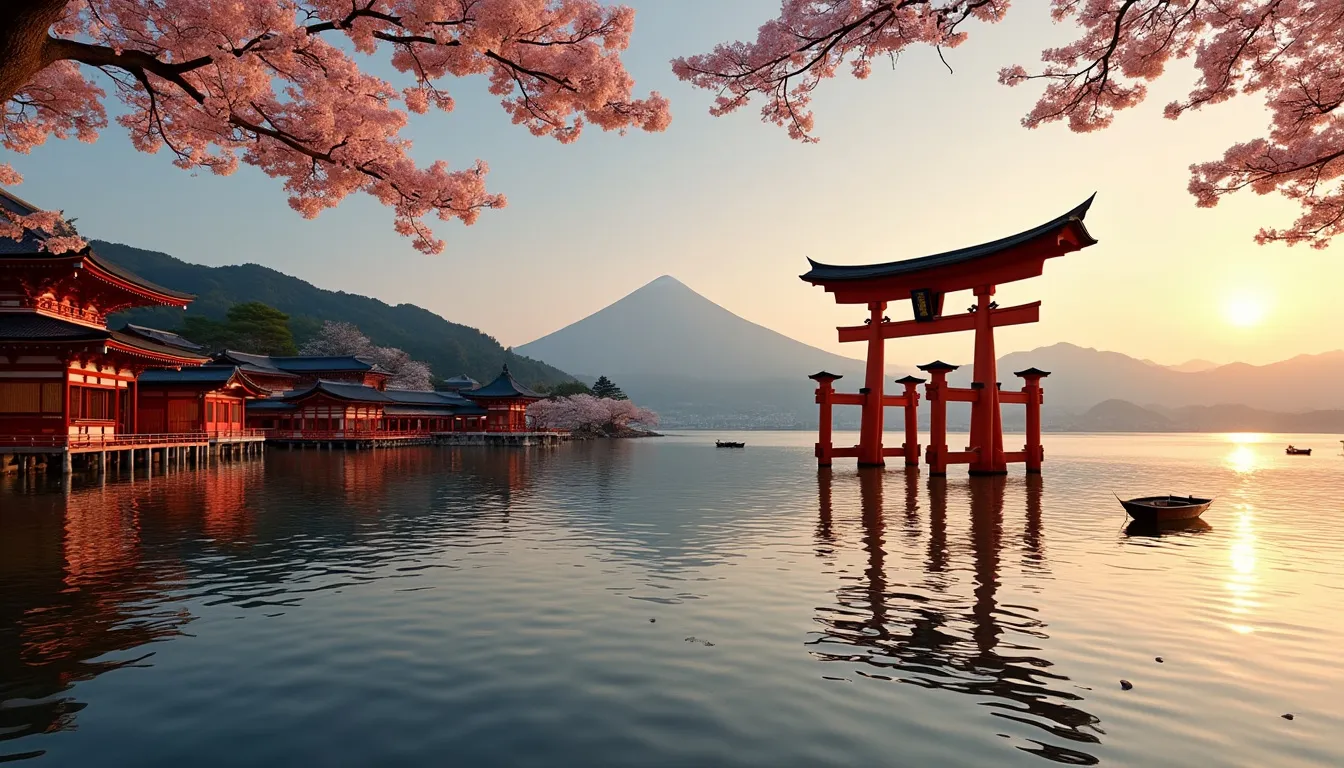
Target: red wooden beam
[(959, 394), (1014, 398), (840, 398), (894, 401), (1018, 315), (960, 457), (850, 452), (894, 451)]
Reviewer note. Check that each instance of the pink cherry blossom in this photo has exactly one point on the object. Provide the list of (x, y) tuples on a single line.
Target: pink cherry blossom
[(1292, 51), (270, 83), (346, 339), (586, 413)]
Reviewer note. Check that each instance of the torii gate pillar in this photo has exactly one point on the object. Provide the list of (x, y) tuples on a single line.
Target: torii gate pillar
[(870, 425), (986, 421)]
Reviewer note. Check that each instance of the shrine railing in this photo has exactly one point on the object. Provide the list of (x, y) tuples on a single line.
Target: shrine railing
[(102, 441), (344, 434)]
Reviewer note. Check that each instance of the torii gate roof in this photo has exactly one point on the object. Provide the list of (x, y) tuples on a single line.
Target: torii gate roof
[(1016, 257)]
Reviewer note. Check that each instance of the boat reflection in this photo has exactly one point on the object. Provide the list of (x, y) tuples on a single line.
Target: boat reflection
[(1167, 528), (929, 632)]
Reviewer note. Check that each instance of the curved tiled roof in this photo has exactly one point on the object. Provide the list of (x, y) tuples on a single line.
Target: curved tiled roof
[(162, 337), (30, 247), (503, 387), (834, 272), (28, 326)]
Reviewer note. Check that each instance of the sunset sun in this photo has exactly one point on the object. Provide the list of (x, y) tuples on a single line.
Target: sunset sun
[(1244, 311)]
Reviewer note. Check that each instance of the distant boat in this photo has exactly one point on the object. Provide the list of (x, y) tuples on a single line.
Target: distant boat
[(1160, 509), (728, 444), (1298, 451)]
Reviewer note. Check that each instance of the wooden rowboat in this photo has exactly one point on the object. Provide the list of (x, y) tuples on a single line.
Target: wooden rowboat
[(1159, 509), (728, 444), (1291, 451)]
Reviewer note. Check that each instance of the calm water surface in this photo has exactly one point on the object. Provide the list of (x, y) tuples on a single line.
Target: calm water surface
[(661, 602)]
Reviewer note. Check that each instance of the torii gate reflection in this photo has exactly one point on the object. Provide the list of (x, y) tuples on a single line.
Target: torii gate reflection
[(931, 636), (925, 282)]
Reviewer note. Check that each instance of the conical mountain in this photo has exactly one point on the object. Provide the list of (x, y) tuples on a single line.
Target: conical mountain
[(667, 329)]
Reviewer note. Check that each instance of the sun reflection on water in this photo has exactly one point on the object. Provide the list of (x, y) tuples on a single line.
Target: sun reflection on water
[(1244, 458), (1241, 582)]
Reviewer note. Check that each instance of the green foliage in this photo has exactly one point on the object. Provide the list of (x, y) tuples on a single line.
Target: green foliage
[(261, 329), (251, 327), (606, 390), (568, 388), (449, 348)]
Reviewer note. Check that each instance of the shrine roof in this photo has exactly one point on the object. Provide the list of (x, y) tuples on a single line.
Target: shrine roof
[(502, 388), (314, 363), (1032, 371), (256, 364), (937, 365), (343, 391), (27, 326), (163, 337), (408, 402), (271, 404), (31, 326), (154, 347), (417, 396), (218, 375), (825, 376), (826, 273), (30, 247), (460, 381), (910, 380)]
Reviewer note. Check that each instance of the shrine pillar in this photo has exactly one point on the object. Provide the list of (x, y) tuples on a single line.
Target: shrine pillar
[(936, 393), (870, 428), (1034, 397), (825, 400), (986, 427), (911, 445)]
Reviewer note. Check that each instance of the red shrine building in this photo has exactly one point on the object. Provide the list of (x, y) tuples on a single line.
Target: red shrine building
[(506, 402), (926, 282), (65, 378), (284, 374), (70, 385), (342, 412)]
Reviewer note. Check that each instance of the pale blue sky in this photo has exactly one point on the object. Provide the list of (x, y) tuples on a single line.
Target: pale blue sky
[(913, 160)]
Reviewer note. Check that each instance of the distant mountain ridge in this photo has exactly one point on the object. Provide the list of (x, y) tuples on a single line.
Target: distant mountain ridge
[(700, 365), (666, 329), (449, 348), (1124, 416)]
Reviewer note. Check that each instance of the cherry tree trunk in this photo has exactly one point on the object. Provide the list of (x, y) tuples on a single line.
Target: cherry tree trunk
[(23, 40)]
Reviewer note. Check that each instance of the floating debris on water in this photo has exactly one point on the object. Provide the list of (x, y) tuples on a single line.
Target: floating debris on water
[(1125, 685), (652, 620), (1288, 716), (1158, 659)]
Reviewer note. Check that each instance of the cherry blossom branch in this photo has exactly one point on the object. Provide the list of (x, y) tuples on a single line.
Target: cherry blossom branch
[(254, 82)]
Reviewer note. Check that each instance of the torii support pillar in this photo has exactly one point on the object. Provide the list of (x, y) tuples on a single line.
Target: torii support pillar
[(870, 428), (911, 446), (935, 392), (825, 450), (1034, 397), (986, 422)]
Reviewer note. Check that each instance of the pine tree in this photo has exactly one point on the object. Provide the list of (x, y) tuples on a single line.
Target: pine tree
[(606, 390)]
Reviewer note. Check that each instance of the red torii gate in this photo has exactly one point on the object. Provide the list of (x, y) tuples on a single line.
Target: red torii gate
[(926, 281)]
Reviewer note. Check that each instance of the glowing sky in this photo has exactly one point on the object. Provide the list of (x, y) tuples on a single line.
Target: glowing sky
[(913, 160)]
